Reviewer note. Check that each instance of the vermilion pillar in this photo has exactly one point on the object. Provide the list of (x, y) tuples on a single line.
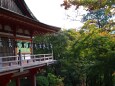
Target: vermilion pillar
[(5, 79), (32, 76), (17, 81), (33, 80)]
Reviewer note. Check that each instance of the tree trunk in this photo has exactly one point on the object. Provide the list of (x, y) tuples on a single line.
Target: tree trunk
[(108, 78)]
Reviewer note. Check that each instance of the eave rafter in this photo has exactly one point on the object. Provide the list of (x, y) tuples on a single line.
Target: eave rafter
[(26, 22)]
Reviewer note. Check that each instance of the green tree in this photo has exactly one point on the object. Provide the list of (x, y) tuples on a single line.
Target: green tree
[(54, 80), (84, 57), (49, 80), (100, 17), (62, 44), (91, 4), (96, 49), (42, 81)]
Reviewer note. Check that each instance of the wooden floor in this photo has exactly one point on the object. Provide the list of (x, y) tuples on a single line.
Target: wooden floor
[(25, 64)]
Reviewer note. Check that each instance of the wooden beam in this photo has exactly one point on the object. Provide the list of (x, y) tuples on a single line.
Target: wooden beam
[(5, 79), (18, 81)]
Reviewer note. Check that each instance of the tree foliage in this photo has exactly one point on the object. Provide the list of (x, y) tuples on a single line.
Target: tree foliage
[(85, 57), (54, 80), (42, 81), (100, 17), (90, 4), (49, 80)]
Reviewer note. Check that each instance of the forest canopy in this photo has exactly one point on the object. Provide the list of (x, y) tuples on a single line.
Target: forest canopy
[(90, 4), (85, 57)]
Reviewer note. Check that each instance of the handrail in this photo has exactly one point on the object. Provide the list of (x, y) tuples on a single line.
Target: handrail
[(10, 61), (8, 57)]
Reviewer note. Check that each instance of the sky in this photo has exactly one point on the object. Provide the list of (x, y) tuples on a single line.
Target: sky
[(50, 12)]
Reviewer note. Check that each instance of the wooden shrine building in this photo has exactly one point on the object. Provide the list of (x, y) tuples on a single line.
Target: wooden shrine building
[(17, 28)]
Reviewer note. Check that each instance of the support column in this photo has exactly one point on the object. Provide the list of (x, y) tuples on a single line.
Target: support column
[(17, 81), (5, 79), (20, 58), (33, 80), (32, 76), (4, 84)]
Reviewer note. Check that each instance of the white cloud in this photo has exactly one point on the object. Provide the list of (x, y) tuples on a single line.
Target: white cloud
[(50, 12)]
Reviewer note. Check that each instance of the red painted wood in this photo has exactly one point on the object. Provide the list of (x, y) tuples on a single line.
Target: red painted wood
[(17, 81), (5, 79), (36, 70), (14, 19), (33, 80)]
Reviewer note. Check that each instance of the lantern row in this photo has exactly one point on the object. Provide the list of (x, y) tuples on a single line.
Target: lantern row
[(19, 44)]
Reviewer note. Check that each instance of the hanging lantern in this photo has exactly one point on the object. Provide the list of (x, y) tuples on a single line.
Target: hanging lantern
[(26, 45), (22, 44), (29, 45), (40, 46), (9, 43), (51, 46), (34, 45), (44, 46), (47, 46), (19, 44)]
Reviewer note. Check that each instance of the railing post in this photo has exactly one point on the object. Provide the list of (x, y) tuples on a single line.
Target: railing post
[(20, 57), (34, 58), (52, 50), (24, 57), (17, 81), (0, 63), (52, 54), (44, 57)]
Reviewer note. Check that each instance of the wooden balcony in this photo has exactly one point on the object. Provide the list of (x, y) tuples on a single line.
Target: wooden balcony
[(25, 62)]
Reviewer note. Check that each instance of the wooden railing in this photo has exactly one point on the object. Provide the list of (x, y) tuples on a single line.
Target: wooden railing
[(12, 62)]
